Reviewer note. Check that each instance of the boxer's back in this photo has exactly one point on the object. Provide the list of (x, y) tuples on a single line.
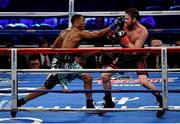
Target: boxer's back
[(71, 38)]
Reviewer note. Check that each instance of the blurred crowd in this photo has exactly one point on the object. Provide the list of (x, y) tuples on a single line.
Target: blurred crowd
[(87, 5), (38, 61)]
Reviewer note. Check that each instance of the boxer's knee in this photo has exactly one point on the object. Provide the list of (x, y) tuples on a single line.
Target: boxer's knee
[(105, 77), (87, 79)]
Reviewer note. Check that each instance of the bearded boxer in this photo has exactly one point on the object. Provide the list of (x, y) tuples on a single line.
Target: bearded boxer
[(69, 38), (131, 35)]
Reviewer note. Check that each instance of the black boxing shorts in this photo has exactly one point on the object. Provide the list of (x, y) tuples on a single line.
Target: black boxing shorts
[(63, 78), (51, 81), (132, 61), (58, 61)]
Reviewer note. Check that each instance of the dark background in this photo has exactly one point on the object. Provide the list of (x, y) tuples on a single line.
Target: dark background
[(92, 23)]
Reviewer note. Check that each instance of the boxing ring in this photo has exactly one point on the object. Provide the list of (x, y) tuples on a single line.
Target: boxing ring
[(17, 76), (132, 100)]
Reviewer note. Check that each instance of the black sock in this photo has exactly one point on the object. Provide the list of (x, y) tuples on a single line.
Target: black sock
[(157, 94), (21, 101), (89, 100), (108, 97)]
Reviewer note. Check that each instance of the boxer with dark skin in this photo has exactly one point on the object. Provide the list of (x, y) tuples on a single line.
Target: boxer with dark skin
[(131, 35), (69, 38)]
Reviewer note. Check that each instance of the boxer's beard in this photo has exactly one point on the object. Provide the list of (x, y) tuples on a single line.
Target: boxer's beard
[(131, 26)]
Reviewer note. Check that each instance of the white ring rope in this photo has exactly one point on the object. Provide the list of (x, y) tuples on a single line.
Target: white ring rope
[(120, 13), (88, 70), (108, 13), (97, 110), (33, 14), (82, 110)]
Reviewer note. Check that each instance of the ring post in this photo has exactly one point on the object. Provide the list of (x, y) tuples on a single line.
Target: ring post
[(14, 85), (71, 11), (164, 77)]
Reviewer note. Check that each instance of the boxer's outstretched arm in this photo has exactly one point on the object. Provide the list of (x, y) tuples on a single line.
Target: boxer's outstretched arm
[(117, 22), (94, 34)]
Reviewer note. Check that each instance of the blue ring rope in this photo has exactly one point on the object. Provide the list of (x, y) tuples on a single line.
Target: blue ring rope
[(89, 91)]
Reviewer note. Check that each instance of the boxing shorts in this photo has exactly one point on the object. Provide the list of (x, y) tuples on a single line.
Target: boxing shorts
[(63, 78), (59, 60), (132, 61)]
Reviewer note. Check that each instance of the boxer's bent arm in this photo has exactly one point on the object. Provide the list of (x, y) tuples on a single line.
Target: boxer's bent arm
[(94, 34), (140, 41)]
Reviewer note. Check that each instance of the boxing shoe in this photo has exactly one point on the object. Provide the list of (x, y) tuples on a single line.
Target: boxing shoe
[(89, 103), (108, 104), (20, 102), (159, 99)]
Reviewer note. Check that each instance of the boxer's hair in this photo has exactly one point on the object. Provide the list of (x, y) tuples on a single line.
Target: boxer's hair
[(133, 12), (74, 17)]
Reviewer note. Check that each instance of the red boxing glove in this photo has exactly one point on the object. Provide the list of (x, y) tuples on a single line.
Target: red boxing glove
[(125, 41), (112, 36)]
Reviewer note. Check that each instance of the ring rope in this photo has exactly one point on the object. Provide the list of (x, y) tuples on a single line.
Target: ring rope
[(87, 70), (33, 14), (97, 109), (86, 110), (90, 91), (120, 13), (94, 70), (89, 50), (89, 110), (95, 50), (98, 13)]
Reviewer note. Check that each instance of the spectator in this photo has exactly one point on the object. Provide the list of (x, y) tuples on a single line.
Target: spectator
[(148, 21), (174, 58), (5, 60), (45, 59), (178, 43), (34, 62), (154, 59), (99, 22), (156, 43), (4, 4)]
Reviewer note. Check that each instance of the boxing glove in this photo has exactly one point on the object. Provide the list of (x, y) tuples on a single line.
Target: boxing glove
[(118, 22), (124, 40)]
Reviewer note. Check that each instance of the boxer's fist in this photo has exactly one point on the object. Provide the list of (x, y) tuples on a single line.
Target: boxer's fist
[(121, 33), (118, 22), (124, 40), (112, 36)]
